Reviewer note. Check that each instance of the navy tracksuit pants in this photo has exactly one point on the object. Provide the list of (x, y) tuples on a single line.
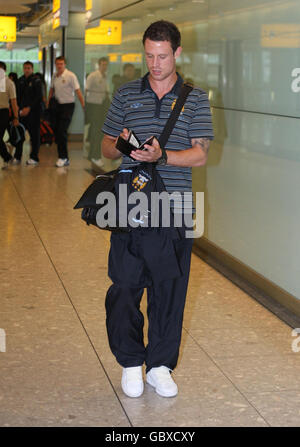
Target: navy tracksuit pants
[(152, 259)]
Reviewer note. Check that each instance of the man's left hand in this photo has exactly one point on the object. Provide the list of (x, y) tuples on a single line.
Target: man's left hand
[(151, 154)]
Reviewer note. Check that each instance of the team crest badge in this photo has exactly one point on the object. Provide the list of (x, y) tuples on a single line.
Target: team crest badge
[(140, 181)]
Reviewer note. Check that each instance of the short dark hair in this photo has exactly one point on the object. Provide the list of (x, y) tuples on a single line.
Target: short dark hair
[(3, 65), (28, 63), (61, 58), (103, 59), (163, 30), (127, 65)]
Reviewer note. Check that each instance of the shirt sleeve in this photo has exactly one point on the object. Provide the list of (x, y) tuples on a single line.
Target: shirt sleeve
[(11, 89), (75, 82), (201, 125), (114, 122)]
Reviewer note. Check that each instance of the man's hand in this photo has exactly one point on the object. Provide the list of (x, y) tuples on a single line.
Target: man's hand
[(15, 122), (151, 154), (25, 111)]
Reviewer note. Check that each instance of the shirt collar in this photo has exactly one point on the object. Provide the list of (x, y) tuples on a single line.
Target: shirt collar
[(63, 73), (175, 89)]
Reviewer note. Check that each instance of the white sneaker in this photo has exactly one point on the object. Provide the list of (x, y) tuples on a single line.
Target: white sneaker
[(132, 381), (160, 378), (32, 162), (98, 162), (15, 162), (61, 162)]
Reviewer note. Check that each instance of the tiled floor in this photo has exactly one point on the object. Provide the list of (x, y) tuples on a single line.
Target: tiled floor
[(236, 367)]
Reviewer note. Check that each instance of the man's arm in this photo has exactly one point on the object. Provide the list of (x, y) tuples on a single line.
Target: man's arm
[(194, 156), (80, 97), (15, 110), (50, 96), (108, 145)]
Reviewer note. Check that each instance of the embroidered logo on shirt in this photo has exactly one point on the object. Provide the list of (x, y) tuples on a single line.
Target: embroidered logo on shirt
[(136, 105)]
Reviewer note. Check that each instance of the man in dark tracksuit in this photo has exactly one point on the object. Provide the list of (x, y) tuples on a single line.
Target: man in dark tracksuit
[(30, 100), (154, 258)]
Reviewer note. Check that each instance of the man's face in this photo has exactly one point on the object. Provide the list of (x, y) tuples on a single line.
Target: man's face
[(60, 66), (103, 65), (27, 70), (129, 72), (160, 59)]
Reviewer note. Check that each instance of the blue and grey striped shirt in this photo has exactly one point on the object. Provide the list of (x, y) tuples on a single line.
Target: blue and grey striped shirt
[(137, 107)]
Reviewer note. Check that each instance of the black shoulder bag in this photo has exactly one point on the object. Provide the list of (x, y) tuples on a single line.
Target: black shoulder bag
[(108, 182)]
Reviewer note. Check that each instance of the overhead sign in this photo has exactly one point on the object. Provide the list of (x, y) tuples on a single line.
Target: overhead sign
[(60, 11), (280, 35), (8, 29), (132, 57), (109, 32), (88, 5)]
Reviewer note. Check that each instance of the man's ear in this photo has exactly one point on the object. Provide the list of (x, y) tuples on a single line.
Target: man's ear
[(178, 52)]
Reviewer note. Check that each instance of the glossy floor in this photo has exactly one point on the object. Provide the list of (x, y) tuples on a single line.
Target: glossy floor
[(236, 366)]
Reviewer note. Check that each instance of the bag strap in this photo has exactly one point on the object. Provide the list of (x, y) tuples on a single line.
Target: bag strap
[(185, 90)]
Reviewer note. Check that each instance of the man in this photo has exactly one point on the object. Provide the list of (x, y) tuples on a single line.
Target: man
[(144, 106), (97, 104), (30, 99), (64, 85), (128, 75), (7, 94)]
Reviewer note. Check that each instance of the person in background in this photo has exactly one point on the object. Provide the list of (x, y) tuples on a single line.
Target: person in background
[(7, 96), (44, 88), (97, 102), (129, 74), (64, 85), (30, 101)]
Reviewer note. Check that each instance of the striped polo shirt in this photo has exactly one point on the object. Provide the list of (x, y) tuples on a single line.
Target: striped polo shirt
[(137, 107)]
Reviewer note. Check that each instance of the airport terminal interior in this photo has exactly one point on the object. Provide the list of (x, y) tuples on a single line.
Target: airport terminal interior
[(239, 361)]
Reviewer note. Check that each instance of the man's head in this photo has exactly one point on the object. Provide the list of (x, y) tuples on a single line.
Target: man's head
[(129, 71), (27, 69), (60, 64), (162, 47), (3, 65), (103, 65)]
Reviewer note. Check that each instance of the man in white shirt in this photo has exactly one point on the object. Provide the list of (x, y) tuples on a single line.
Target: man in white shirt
[(7, 94), (64, 85), (97, 103)]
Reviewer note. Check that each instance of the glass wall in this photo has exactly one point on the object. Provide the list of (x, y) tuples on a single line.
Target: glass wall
[(15, 58), (245, 55)]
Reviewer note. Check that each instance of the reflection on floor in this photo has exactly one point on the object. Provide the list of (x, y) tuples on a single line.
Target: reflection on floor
[(236, 367)]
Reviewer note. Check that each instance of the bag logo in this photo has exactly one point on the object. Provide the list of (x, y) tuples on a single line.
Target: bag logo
[(140, 181), (173, 105)]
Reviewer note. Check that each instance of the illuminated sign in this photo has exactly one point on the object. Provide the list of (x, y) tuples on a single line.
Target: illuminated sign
[(280, 35), (132, 57), (88, 5), (8, 29), (113, 57), (109, 32), (56, 5), (60, 13)]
